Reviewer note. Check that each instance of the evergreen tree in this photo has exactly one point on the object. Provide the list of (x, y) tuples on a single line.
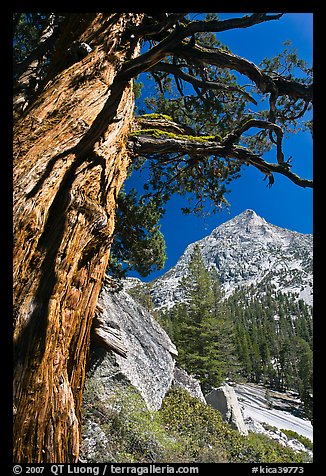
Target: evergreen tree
[(263, 335), (304, 374), (202, 329)]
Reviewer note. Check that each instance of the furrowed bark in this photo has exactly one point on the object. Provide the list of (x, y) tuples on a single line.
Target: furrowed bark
[(70, 162)]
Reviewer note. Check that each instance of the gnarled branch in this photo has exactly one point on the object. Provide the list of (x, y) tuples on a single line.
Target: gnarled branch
[(174, 39), (156, 141), (223, 59), (206, 84), (235, 135)]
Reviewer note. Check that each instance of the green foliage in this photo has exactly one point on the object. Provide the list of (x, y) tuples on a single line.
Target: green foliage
[(184, 430), (263, 450), (295, 436), (201, 181), (204, 428), (200, 327), (133, 433), (142, 294), (211, 114), (138, 242), (216, 113), (27, 31), (142, 435), (158, 116), (274, 340)]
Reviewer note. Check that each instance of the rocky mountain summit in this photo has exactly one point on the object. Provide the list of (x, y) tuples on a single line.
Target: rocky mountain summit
[(247, 250)]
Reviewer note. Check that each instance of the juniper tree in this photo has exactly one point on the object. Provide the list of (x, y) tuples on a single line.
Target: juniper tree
[(76, 135)]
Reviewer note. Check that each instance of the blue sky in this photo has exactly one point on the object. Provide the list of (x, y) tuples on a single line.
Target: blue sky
[(284, 204)]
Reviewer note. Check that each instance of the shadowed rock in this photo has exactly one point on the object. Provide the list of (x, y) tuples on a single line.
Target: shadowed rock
[(225, 401)]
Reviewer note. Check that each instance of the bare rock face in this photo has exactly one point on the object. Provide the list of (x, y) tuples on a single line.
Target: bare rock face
[(130, 350), (225, 401), (140, 351), (186, 381)]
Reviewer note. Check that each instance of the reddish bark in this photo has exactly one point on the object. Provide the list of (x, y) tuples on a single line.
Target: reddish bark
[(70, 162)]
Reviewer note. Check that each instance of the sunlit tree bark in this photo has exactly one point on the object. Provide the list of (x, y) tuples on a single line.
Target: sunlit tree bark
[(70, 162)]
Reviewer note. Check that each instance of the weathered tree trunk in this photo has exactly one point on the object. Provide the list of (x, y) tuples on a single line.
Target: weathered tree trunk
[(70, 162), (29, 71)]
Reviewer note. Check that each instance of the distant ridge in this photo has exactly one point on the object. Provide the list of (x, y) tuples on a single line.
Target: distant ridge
[(247, 250)]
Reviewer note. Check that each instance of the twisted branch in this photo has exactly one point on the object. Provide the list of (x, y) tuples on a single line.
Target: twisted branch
[(174, 39), (155, 141), (235, 135), (206, 84)]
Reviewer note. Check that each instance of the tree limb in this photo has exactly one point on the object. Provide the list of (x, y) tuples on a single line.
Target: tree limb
[(158, 142), (224, 59), (235, 135), (200, 26), (176, 71), (147, 60)]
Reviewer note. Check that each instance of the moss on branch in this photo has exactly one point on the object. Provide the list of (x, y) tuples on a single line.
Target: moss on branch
[(156, 116), (157, 134)]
